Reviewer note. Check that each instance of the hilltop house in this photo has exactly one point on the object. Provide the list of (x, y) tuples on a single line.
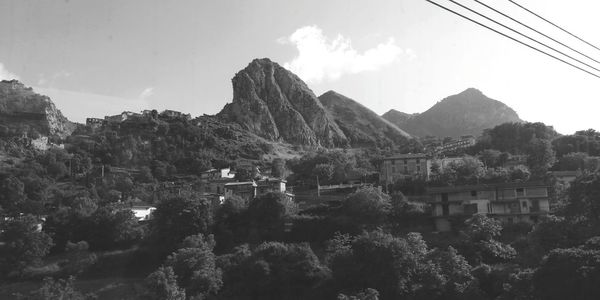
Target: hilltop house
[(462, 143), (143, 212), (403, 166), (509, 202)]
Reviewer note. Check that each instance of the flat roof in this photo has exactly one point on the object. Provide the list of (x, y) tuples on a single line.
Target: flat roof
[(480, 187), (405, 156)]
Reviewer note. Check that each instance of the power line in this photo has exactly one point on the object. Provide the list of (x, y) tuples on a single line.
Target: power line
[(535, 30), (512, 38), (573, 35), (523, 35)]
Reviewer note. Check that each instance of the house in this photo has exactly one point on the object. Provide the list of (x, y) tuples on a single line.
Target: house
[(403, 166), (509, 202), (565, 177), (175, 114), (94, 123), (214, 180), (246, 190), (143, 212), (272, 185)]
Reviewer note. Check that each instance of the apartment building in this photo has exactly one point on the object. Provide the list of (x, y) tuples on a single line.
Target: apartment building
[(402, 166), (510, 202)]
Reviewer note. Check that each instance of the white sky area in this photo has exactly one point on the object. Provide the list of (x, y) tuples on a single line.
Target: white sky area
[(96, 58)]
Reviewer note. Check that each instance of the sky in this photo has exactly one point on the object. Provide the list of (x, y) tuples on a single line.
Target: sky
[(96, 58)]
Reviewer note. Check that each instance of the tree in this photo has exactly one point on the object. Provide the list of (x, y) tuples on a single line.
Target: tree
[(59, 289), (178, 217), (267, 215), (367, 294), (490, 158), (400, 268), (12, 193), (479, 240), (583, 197), (162, 285), (25, 244), (274, 270), (540, 156), (572, 273), (195, 267), (367, 206)]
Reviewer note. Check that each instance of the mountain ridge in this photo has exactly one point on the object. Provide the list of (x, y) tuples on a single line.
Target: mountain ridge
[(465, 113)]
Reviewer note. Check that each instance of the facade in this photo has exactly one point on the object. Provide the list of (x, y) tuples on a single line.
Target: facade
[(175, 114), (213, 181), (94, 122), (510, 203), (463, 143), (246, 190), (272, 185), (404, 166), (565, 177), (143, 212)]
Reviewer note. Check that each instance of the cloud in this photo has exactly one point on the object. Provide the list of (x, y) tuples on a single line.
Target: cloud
[(51, 80), (322, 58), (147, 92), (5, 74)]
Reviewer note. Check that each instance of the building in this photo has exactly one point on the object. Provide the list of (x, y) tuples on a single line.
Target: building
[(143, 212), (404, 166), (510, 202), (462, 143), (94, 123), (566, 177), (175, 114), (272, 185), (214, 180), (246, 190)]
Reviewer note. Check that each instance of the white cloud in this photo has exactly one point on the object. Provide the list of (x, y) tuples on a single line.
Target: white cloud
[(147, 92), (5, 74), (322, 58)]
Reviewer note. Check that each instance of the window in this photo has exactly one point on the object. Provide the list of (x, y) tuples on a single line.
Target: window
[(524, 204), (393, 169), (418, 169), (393, 162), (405, 169), (406, 161), (510, 220), (520, 192), (473, 193), (418, 161)]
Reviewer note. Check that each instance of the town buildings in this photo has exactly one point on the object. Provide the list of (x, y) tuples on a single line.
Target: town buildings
[(508, 202), (403, 166), (462, 143)]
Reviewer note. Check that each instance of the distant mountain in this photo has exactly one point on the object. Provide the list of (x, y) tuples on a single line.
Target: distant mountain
[(273, 103), (361, 125), (467, 113), (23, 111), (397, 117)]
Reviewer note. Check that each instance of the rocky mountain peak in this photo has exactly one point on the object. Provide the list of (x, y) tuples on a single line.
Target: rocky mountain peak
[(22, 109), (274, 103)]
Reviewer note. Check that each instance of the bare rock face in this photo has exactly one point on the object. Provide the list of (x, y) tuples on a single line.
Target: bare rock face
[(21, 109), (273, 103)]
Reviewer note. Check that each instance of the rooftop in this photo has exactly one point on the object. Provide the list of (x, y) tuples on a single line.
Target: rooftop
[(482, 187), (406, 156)]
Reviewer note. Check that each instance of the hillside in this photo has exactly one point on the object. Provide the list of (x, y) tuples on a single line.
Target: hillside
[(273, 103), (397, 117), (467, 113), (24, 111), (361, 126)]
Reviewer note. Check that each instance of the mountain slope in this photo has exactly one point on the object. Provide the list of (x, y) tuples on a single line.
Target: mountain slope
[(361, 125), (397, 117), (273, 103), (23, 111), (467, 113)]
